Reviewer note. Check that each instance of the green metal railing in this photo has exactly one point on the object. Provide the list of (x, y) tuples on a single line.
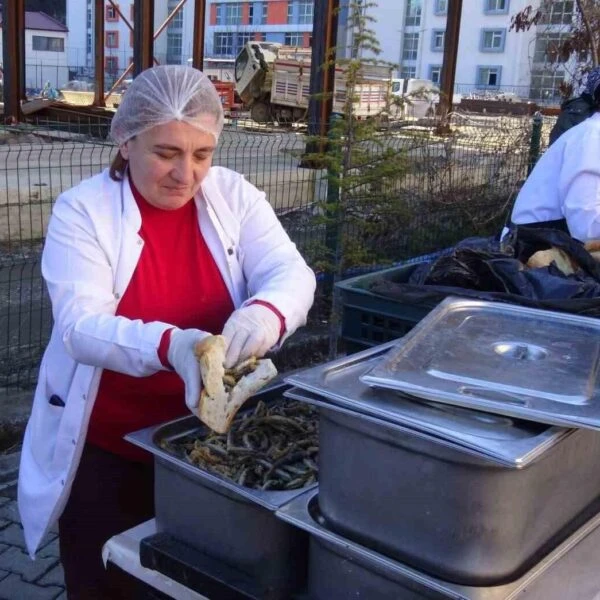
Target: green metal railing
[(449, 188)]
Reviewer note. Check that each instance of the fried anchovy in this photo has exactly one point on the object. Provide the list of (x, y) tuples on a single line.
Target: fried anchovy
[(273, 447)]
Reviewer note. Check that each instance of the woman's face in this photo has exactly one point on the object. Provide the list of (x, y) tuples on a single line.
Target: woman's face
[(168, 162)]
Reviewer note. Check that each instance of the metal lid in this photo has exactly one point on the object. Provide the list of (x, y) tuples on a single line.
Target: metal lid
[(502, 358), (503, 440)]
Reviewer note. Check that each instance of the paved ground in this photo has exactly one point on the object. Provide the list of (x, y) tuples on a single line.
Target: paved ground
[(20, 577)]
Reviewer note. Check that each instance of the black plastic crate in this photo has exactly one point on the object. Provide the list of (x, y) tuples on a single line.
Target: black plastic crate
[(369, 319)]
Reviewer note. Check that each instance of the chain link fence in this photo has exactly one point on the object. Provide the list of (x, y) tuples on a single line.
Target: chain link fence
[(449, 187)]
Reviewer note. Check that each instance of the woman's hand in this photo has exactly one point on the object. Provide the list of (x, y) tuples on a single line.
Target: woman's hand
[(250, 331), (183, 360)]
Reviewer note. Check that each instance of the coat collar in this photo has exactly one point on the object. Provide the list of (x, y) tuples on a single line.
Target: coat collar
[(129, 207)]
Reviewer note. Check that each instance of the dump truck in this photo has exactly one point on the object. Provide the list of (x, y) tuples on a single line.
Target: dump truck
[(273, 82)]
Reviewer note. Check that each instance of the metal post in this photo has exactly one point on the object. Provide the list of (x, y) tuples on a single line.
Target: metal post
[(12, 16), (332, 228), (21, 36), (143, 35), (451, 39), (198, 47), (99, 53), (324, 42), (535, 142)]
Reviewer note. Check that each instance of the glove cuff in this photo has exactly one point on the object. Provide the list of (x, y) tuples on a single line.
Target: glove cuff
[(275, 310), (163, 349)]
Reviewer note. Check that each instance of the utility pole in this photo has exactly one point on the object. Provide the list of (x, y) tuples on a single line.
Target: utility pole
[(448, 74)]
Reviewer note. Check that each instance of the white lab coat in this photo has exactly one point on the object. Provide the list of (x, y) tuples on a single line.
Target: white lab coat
[(565, 183), (91, 251)]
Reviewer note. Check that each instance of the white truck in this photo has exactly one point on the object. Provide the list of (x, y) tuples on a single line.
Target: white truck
[(273, 82)]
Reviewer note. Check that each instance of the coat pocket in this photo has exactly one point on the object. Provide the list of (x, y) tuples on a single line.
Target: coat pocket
[(44, 425)]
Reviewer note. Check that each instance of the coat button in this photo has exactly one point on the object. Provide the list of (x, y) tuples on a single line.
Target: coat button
[(139, 242), (117, 295), (74, 442)]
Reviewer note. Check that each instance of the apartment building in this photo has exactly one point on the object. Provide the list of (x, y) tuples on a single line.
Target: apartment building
[(411, 34), (490, 56), (232, 23), (229, 24)]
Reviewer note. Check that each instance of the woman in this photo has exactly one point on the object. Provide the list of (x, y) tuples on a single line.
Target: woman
[(563, 190), (141, 262)]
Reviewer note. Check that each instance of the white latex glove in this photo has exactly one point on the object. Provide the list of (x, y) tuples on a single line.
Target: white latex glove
[(250, 331), (182, 358)]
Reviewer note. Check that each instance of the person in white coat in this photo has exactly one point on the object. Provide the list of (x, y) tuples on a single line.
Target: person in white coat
[(563, 189), (141, 262)]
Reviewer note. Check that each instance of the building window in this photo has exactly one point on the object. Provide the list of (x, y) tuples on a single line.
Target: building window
[(305, 12), (413, 13), (177, 20), (545, 85), (408, 72), (223, 44), (488, 77), (492, 40), (111, 13), (174, 48), (557, 13), (241, 40), (88, 45), (294, 39), (496, 7), (290, 11), (437, 40), (440, 7), (111, 39), (233, 14), (435, 73), (89, 18), (218, 14), (111, 65), (546, 49), (47, 44), (410, 46), (251, 12), (264, 13)]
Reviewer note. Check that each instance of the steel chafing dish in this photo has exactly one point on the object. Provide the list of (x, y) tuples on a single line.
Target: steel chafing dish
[(224, 520), (468, 496), (342, 569)]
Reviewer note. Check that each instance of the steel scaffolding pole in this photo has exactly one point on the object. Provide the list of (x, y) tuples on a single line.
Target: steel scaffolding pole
[(13, 34)]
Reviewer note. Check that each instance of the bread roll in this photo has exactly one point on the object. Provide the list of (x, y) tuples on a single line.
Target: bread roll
[(543, 258), (592, 246), (218, 405)]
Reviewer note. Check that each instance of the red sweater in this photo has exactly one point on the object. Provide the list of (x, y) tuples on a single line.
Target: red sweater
[(176, 281)]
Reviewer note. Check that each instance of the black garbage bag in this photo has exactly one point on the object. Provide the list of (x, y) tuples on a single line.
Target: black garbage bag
[(480, 268)]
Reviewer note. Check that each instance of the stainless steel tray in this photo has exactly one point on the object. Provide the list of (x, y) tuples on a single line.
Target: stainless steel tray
[(510, 360), (150, 439), (507, 441), (569, 571)]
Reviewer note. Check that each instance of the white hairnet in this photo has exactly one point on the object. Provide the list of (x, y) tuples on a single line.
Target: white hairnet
[(168, 93)]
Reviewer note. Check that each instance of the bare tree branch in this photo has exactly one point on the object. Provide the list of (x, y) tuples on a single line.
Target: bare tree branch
[(585, 18)]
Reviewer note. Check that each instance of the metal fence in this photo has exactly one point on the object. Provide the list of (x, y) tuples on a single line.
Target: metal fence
[(450, 187)]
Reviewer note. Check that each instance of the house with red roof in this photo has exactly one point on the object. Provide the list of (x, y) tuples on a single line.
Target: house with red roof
[(46, 42)]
